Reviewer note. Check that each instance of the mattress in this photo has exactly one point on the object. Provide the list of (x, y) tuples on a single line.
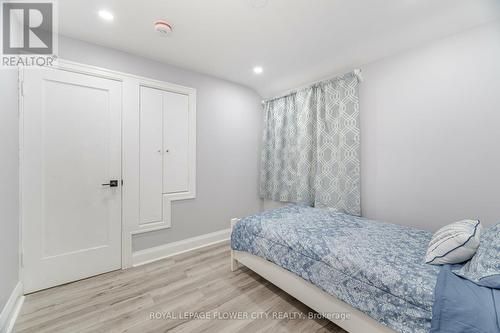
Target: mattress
[(378, 268)]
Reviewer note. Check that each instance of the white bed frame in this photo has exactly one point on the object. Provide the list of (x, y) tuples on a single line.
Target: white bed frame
[(307, 293)]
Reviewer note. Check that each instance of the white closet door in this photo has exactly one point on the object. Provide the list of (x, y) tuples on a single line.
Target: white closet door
[(151, 155), (71, 147), (176, 143)]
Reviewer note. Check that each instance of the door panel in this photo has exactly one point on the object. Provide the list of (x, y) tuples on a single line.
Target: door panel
[(77, 166), (71, 146), (151, 159), (176, 143)]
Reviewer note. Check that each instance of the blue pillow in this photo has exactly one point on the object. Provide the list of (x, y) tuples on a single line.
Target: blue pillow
[(484, 267)]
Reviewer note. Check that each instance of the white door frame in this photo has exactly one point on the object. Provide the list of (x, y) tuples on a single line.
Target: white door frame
[(130, 227)]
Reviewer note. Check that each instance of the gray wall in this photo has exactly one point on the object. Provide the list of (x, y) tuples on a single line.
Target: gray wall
[(228, 137), (9, 184), (430, 132)]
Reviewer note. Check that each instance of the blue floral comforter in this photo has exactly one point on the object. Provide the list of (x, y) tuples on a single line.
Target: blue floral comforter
[(376, 267)]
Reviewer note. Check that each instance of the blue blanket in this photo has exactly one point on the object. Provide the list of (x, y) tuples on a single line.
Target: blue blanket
[(376, 267), (462, 306)]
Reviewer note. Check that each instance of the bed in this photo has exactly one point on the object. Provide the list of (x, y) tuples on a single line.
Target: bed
[(338, 264)]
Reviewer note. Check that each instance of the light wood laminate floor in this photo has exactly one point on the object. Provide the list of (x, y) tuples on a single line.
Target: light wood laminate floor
[(198, 282)]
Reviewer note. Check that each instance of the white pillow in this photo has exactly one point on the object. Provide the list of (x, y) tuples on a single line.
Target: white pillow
[(455, 243)]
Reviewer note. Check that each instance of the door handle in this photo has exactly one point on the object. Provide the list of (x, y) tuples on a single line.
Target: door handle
[(112, 183)]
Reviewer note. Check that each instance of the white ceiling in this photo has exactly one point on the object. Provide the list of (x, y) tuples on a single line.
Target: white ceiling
[(295, 41)]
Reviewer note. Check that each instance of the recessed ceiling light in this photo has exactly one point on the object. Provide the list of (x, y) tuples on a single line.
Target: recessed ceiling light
[(258, 70), (106, 15)]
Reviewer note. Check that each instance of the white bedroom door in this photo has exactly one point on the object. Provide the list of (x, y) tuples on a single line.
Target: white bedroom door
[(71, 177)]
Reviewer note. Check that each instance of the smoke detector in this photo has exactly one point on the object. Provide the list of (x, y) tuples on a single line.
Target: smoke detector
[(163, 27)]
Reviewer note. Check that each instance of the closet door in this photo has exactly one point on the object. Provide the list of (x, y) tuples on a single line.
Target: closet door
[(151, 155), (176, 143), (159, 154)]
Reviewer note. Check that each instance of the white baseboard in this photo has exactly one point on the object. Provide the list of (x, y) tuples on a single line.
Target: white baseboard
[(164, 251), (11, 309)]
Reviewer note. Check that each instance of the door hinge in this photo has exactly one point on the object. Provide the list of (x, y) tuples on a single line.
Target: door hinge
[(21, 88), (22, 259), (122, 182)]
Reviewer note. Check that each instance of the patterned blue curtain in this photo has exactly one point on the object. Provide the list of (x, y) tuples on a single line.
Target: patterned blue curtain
[(311, 146)]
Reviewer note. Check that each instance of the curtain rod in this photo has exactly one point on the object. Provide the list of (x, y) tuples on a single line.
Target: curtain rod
[(356, 72)]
